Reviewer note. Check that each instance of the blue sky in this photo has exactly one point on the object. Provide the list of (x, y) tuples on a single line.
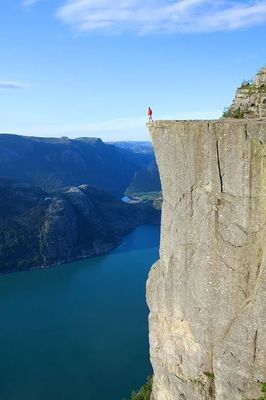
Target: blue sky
[(90, 68)]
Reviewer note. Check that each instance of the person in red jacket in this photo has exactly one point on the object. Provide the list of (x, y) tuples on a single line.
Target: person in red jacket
[(149, 112)]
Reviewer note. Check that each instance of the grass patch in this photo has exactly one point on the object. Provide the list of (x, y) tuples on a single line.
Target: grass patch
[(197, 382), (229, 113), (209, 375), (263, 390), (144, 393)]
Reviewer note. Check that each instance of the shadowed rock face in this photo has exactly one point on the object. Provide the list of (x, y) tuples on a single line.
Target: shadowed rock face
[(207, 293)]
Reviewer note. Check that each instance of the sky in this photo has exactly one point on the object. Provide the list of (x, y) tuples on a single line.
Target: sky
[(92, 67)]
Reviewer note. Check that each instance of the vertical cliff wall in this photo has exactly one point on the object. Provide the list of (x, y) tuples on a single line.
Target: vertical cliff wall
[(207, 293)]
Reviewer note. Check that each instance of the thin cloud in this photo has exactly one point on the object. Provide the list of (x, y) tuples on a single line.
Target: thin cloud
[(114, 129), (126, 124), (162, 16), (12, 85), (28, 3)]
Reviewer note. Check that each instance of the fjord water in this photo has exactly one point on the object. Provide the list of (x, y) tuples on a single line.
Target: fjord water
[(78, 331)]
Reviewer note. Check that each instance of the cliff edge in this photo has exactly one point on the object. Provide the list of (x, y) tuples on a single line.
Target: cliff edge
[(207, 293)]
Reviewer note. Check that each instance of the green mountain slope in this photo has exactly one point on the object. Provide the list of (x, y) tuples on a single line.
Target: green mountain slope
[(40, 229), (55, 163)]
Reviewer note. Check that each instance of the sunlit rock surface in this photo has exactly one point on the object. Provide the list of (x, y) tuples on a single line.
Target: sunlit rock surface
[(207, 293), (250, 98)]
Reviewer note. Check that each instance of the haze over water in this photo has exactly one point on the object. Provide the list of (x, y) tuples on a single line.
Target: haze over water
[(78, 331)]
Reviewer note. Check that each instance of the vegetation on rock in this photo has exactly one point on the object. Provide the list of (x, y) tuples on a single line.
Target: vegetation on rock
[(144, 393), (230, 113), (263, 389), (250, 99)]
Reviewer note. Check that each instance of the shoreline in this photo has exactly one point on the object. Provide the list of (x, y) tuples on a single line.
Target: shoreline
[(79, 258)]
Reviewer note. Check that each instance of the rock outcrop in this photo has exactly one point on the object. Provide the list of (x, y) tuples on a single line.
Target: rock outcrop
[(250, 99), (207, 293)]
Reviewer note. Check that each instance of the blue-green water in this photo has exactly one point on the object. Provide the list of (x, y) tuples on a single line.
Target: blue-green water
[(78, 331)]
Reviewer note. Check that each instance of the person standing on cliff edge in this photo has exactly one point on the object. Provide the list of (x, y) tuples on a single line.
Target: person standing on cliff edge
[(149, 113)]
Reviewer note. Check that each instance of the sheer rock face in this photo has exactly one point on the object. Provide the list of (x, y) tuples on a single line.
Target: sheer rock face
[(207, 293), (250, 99)]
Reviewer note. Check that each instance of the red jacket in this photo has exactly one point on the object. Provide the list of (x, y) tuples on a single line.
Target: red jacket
[(149, 112)]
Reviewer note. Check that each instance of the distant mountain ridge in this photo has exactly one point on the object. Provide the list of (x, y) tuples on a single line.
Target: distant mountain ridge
[(53, 163), (60, 197), (135, 147), (147, 178)]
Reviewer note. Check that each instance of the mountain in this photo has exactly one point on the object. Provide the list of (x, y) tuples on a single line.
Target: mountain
[(146, 178), (59, 198), (54, 163), (135, 147), (42, 229)]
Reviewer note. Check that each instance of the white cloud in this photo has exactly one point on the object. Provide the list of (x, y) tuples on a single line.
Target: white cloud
[(12, 85), (162, 16)]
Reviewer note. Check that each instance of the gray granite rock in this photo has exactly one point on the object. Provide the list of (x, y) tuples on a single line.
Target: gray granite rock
[(207, 293), (250, 99)]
